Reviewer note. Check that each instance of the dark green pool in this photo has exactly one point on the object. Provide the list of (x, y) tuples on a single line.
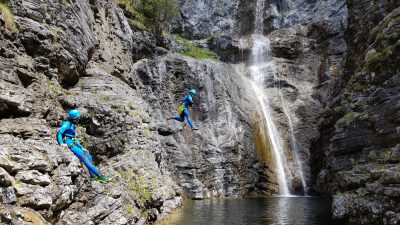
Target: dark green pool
[(255, 211)]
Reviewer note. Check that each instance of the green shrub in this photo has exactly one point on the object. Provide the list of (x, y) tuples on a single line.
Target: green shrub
[(127, 5), (130, 106), (134, 17), (137, 187), (210, 38), (56, 35), (147, 133), (372, 60), (158, 12), (129, 210), (350, 117), (388, 51), (374, 7), (165, 34), (379, 37), (8, 17), (193, 51), (152, 14), (139, 25)]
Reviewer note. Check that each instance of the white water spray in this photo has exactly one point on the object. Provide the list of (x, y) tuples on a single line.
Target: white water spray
[(260, 58), (261, 67), (291, 129), (294, 146)]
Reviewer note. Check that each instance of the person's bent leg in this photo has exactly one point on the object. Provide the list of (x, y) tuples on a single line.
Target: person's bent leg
[(178, 118), (82, 155), (186, 113)]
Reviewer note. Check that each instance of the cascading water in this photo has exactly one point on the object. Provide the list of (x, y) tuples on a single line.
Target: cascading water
[(292, 136), (260, 56), (261, 65), (294, 145)]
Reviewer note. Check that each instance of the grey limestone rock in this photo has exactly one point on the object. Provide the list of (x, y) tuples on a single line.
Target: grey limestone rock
[(358, 134), (8, 195)]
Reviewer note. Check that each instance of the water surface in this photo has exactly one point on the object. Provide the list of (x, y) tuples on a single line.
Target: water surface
[(254, 211)]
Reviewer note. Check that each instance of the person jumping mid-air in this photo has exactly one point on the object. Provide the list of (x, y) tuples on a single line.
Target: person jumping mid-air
[(66, 137), (183, 110)]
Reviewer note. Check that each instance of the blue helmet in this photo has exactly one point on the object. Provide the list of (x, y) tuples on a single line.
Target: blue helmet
[(192, 91), (74, 114)]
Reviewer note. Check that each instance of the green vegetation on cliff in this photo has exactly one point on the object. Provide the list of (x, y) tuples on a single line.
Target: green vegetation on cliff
[(8, 17), (150, 15), (381, 55), (191, 50)]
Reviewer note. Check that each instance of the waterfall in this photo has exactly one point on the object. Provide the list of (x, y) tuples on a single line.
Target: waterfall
[(292, 136), (291, 130), (262, 67), (260, 58)]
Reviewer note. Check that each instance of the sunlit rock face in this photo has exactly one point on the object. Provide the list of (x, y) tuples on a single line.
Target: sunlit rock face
[(85, 55), (220, 158), (77, 54), (308, 48)]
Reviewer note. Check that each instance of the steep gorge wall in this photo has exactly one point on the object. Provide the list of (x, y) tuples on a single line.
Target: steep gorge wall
[(69, 54), (85, 55), (359, 133)]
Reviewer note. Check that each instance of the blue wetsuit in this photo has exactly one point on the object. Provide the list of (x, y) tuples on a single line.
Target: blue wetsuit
[(187, 102), (67, 135)]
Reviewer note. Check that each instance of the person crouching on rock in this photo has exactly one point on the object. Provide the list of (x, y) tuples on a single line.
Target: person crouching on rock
[(66, 137), (183, 110)]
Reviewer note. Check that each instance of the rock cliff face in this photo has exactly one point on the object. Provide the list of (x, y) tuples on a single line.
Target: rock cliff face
[(335, 65), (308, 46), (77, 54), (85, 55), (219, 159), (359, 133)]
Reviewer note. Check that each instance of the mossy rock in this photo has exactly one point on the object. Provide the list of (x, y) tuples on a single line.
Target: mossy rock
[(8, 17), (348, 119), (380, 155), (383, 56)]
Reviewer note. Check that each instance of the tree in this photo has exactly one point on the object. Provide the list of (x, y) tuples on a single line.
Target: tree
[(157, 13)]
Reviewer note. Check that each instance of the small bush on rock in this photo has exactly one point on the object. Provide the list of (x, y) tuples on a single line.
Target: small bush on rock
[(150, 14)]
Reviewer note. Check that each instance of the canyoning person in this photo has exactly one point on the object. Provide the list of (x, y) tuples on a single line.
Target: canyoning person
[(183, 110), (66, 137)]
